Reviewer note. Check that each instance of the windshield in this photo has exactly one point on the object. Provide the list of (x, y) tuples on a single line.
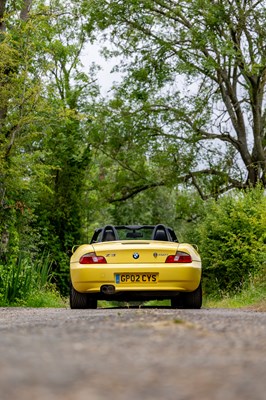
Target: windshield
[(142, 233)]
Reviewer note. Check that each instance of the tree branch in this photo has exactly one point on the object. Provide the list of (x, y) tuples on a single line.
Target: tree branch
[(136, 190)]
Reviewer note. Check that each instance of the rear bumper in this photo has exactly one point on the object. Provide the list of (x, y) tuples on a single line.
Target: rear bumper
[(170, 278)]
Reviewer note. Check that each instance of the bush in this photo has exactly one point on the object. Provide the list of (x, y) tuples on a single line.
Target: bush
[(24, 282), (232, 241)]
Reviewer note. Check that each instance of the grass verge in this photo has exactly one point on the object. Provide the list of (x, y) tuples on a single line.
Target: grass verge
[(252, 297), (45, 297)]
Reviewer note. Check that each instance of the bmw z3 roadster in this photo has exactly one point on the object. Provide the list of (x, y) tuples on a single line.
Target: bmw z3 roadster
[(135, 263)]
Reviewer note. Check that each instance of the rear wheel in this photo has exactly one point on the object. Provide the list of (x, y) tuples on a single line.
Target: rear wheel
[(188, 299), (81, 300), (177, 302), (193, 299)]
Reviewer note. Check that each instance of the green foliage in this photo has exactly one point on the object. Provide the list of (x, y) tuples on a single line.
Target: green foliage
[(253, 295), (189, 212), (27, 282), (146, 208), (45, 101), (49, 297), (70, 162), (195, 84), (232, 241)]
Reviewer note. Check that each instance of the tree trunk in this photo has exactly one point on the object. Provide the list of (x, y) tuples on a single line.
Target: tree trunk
[(24, 14), (2, 11)]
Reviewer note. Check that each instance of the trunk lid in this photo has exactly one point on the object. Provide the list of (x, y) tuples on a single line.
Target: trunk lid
[(135, 252)]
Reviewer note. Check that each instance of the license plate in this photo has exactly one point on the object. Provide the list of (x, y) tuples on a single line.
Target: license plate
[(136, 278)]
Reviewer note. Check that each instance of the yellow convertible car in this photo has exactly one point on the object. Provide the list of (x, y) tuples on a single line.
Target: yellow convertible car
[(135, 263)]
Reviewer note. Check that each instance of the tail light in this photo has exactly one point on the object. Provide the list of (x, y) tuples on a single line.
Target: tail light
[(179, 257), (91, 258)]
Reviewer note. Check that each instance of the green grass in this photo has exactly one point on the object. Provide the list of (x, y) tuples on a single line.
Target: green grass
[(247, 298), (252, 296), (46, 297), (24, 283), (140, 304)]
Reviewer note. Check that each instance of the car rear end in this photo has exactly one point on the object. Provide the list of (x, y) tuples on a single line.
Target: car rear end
[(130, 269)]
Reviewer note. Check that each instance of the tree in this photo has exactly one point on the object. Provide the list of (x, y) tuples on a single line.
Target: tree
[(197, 69), (71, 92), (19, 99), (46, 101)]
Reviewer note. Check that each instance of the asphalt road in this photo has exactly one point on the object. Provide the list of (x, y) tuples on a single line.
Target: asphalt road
[(150, 354)]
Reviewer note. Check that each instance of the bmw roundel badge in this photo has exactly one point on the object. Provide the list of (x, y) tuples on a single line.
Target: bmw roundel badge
[(136, 256)]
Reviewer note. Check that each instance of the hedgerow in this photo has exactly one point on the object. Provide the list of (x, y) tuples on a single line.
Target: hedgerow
[(232, 241)]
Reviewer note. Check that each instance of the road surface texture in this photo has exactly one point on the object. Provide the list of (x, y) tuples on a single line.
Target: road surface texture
[(150, 354)]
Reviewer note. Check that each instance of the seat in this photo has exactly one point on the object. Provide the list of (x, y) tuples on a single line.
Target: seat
[(108, 236), (161, 235)]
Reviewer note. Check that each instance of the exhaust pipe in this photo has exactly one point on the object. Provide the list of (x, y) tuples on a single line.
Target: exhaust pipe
[(108, 289)]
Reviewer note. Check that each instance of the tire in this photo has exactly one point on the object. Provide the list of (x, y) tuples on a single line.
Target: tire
[(81, 300), (177, 302), (193, 299)]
